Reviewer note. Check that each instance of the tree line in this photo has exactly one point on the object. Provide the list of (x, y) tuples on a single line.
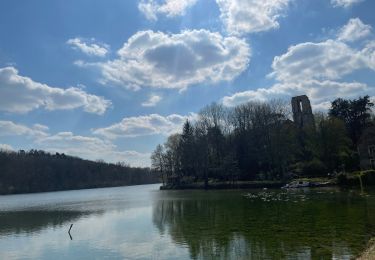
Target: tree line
[(39, 171), (258, 141)]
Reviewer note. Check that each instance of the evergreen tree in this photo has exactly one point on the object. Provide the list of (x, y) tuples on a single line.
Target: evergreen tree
[(355, 113)]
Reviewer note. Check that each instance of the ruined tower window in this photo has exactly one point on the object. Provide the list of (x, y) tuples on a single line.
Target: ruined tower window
[(371, 150)]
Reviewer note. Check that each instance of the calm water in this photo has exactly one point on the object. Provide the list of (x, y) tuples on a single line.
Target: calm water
[(141, 222)]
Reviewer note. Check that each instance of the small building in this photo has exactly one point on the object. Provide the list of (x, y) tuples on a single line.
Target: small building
[(366, 149)]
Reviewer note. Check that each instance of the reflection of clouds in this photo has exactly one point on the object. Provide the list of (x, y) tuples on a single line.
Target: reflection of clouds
[(136, 223), (25, 246), (127, 234), (124, 230), (130, 233)]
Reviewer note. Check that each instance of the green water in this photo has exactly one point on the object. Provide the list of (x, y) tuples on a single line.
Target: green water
[(141, 222)]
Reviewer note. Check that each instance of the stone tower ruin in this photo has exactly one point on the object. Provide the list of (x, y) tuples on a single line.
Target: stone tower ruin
[(302, 113)]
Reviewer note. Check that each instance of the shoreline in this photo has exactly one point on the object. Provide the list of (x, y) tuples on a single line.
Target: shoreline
[(239, 185), (224, 185)]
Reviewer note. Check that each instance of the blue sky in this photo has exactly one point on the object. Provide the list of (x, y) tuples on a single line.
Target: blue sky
[(112, 79)]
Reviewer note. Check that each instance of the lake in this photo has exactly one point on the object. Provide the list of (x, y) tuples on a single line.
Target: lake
[(141, 222)]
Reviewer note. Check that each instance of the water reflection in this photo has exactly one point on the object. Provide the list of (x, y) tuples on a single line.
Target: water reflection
[(114, 223), (30, 213), (29, 222), (145, 223), (307, 224)]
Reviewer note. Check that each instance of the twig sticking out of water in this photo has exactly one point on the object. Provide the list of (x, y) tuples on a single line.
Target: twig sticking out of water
[(71, 225)]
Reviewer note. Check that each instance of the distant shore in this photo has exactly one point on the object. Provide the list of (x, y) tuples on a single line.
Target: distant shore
[(40, 171)]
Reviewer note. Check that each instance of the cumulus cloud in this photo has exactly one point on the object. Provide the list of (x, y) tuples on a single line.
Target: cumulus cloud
[(260, 94), (152, 101), (354, 30), (250, 16), (369, 52), (330, 59), (238, 16), (21, 94), (315, 69), (41, 127), (91, 49), (145, 125), (160, 60), (6, 147), (9, 128), (92, 148), (320, 92), (170, 8), (345, 3)]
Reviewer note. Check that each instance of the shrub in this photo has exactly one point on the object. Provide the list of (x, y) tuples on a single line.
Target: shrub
[(314, 168), (368, 178)]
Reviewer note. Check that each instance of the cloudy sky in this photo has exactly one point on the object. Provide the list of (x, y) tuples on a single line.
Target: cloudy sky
[(111, 79)]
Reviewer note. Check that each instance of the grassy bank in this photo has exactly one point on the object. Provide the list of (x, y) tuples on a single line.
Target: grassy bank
[(355, 178)]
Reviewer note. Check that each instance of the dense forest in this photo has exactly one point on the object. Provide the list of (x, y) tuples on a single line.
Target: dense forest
[(259, 141), (39, 171)]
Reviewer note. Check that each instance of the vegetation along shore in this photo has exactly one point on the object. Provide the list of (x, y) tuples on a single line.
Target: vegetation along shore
[(257, 144)]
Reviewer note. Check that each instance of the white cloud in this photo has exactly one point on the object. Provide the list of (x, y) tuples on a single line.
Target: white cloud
[(171, 8), (145, 125), (238, 16), (9, 128), (328, 60), (315, 69), (91, 148), (331, 59), (91, 49), (6, 147), (250, 16), (41, 127), (152, 101), (21, 94), (354, 30), (159, 60), (345, 3), (369, 52), (319, 92), (260, 94)]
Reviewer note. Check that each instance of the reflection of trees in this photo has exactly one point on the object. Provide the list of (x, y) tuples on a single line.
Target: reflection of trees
[(33, 221), (225, 225)]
